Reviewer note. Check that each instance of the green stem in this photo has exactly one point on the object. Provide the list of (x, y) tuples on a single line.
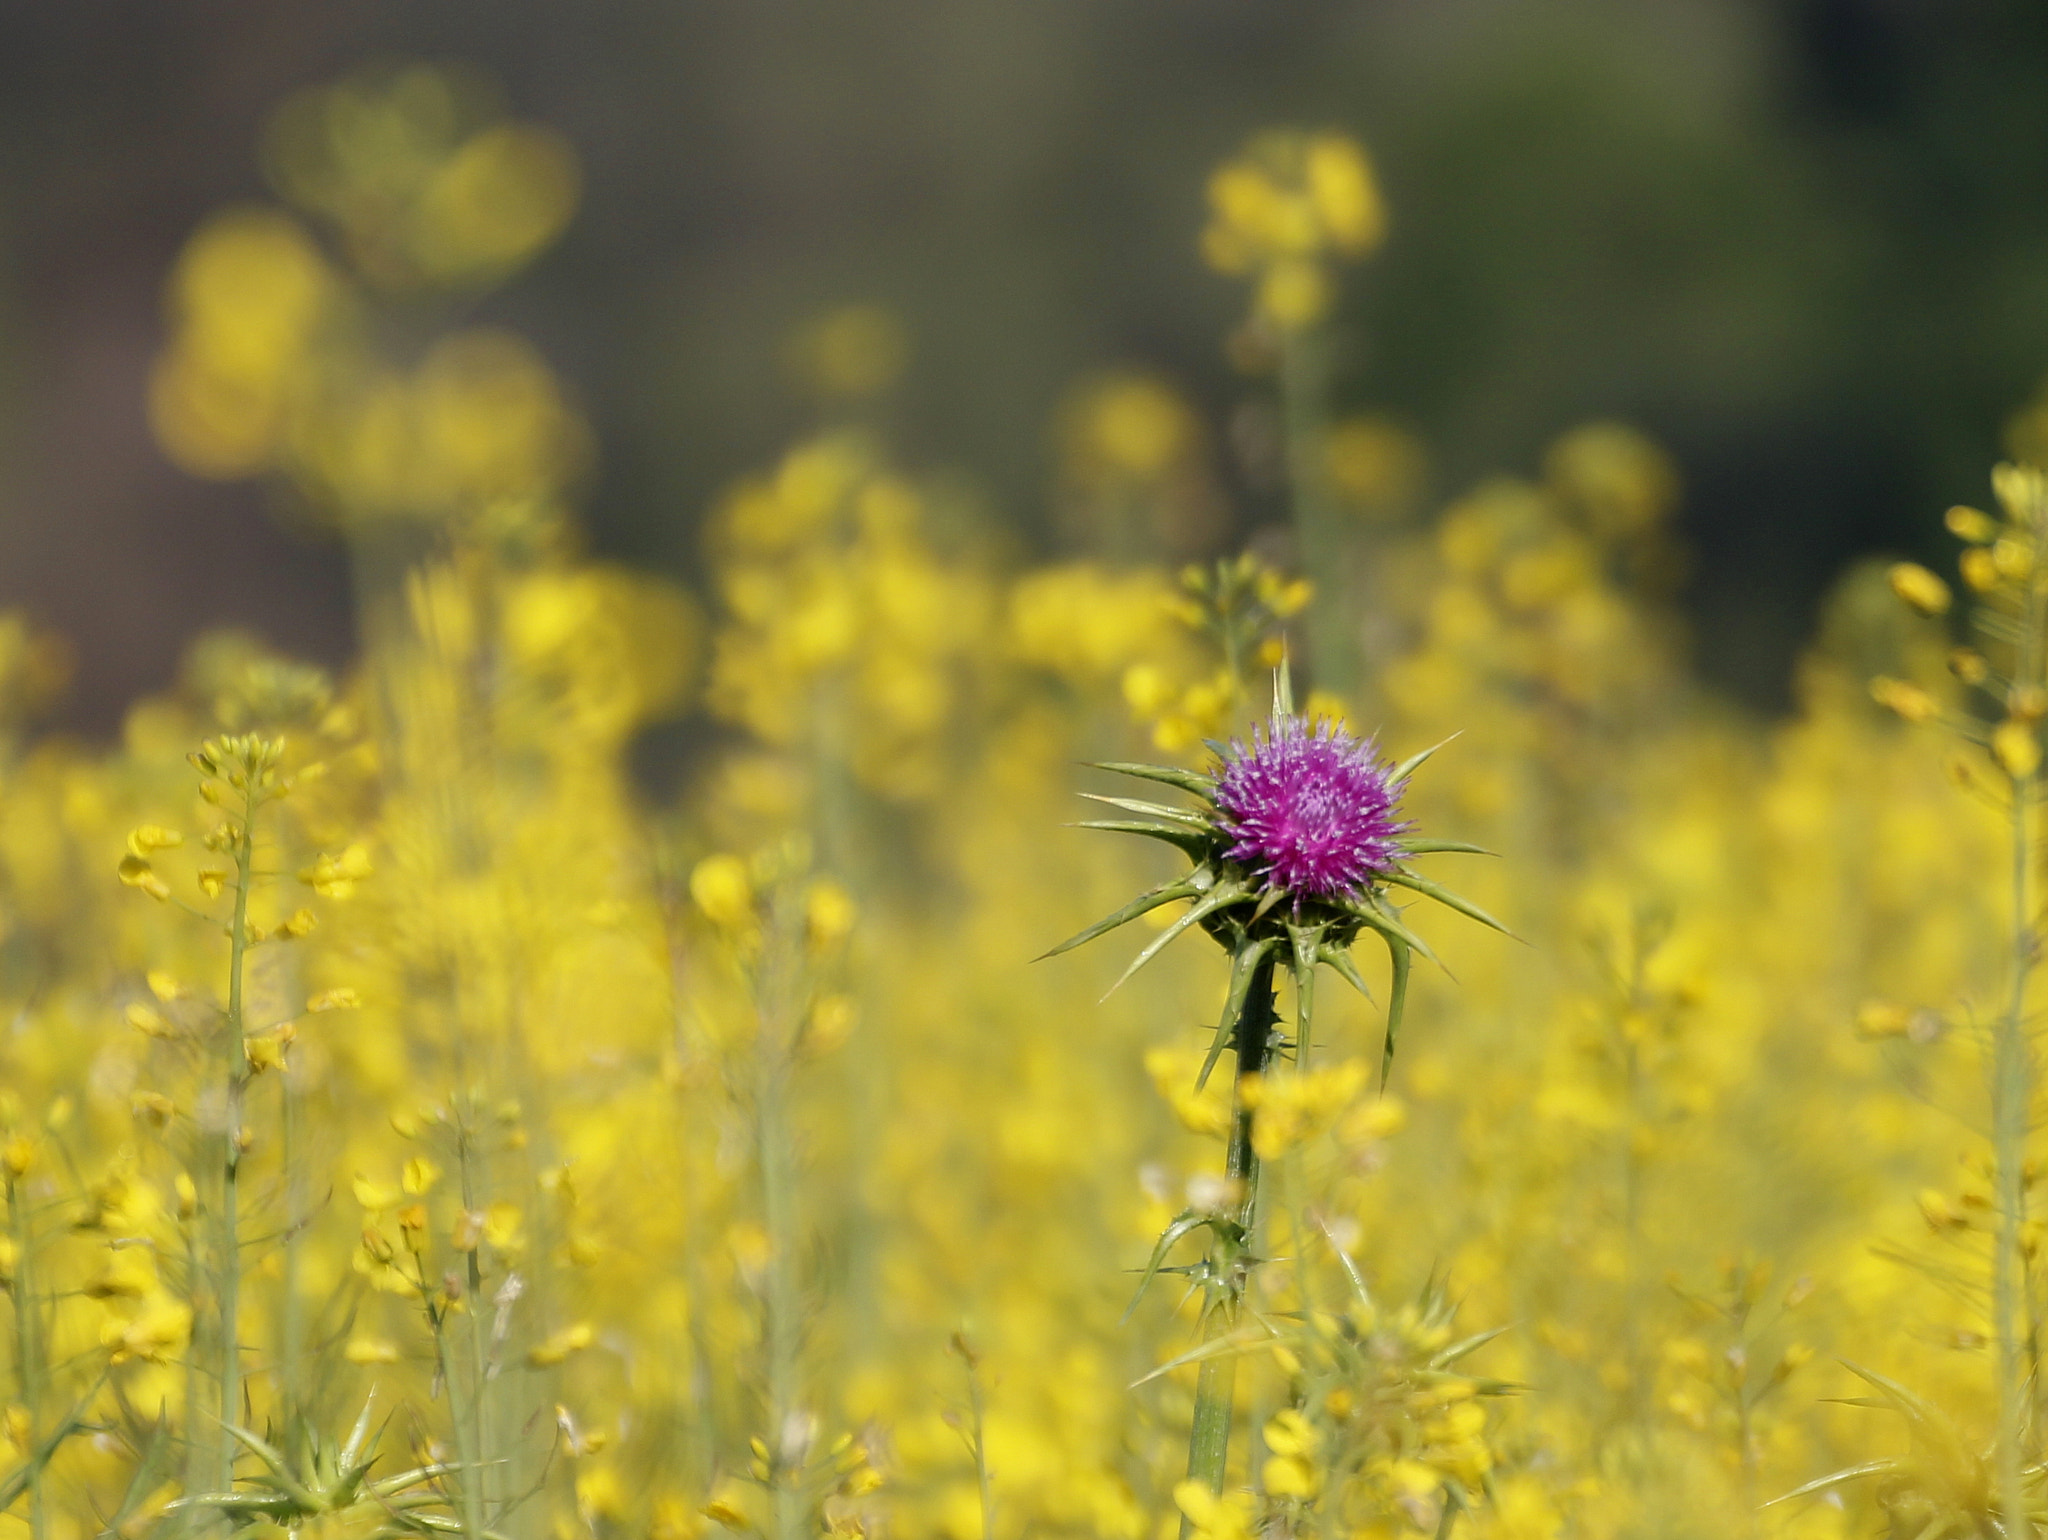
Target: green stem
[(1304, 421), (778, 1297), (978, 1406), (481, 1433), (465, 1428), (230, 1259), (196, 1475), (290, 1324), (28, 1359), (1216, 1385), (2011, 1101)]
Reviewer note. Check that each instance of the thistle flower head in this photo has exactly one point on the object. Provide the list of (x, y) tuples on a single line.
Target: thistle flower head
[(1309, 807), (1306, 812)]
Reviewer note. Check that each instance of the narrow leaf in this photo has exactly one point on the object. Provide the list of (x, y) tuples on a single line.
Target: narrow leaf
[(1837, 1478), (352, 1449), (280, 1473), (393, 1486), (1184, 1225), (1346, 966), (1191, 781), (1151, 810), (1382, 919), (1414, 762), (1397, 1002), (1183, 839), (1443, 847), (1308, 940), (1242, 969), (1469, 1345), (1144, 903), (1909, 1405), (1222, 896), (1447, 898), (1215, 1347)]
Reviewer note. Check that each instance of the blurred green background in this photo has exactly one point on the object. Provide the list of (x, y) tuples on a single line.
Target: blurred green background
[(1805, 244)]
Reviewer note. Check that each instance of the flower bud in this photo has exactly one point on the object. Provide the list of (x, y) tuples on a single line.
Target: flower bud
[(1920, 588)]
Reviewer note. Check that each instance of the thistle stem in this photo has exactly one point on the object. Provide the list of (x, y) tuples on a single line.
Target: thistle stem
[(1216, 1386)]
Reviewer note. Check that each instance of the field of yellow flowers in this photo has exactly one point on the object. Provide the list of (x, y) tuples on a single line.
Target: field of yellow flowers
[(410, 1126)]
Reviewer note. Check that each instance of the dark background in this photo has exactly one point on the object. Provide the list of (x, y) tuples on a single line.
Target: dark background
[(1803, 243)]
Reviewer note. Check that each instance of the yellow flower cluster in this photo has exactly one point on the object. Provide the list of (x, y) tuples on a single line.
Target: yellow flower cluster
[(1283, 208), (716, 1161), (274, 363), (846, 630)]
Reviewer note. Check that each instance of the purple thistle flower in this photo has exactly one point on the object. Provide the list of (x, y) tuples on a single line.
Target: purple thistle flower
[(1310, 808)]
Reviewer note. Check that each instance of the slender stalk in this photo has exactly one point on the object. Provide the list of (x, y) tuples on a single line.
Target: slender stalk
[(28, 1352), (465, 1428), (2012, 1075), (291, 1326), (1216, 1385), (778, 1294), (196, 1474), (977, 1411), (230, 1258), (2012, 1101), (481, 1432), (1304, 422)]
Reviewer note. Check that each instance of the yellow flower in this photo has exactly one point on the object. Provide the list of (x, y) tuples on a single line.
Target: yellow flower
[(557, 1348), (1920, 588), (724, 892), (1224, 1517), (336, 876), (2016, 746), (1908, 700)]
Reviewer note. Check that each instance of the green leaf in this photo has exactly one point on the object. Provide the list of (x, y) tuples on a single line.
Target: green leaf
[(1467, 1346), (1191, 781), (1242, 968), (1307, 942), (280, 1472), (1340, 959), (1196, 845), (1268, 902), (144, 1479), (1222, 896), (1443, 847), (1382, 919), (352, 1447), (1414, 762), (1152, 810), (253, 1502), (1144, 903), (18, 1480), (1397, 1002), (1229, 1345), (1283, 689), (1914, 1408), (390, 1487), (1834, 1479), (1446, 897), (1186, 1223)]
